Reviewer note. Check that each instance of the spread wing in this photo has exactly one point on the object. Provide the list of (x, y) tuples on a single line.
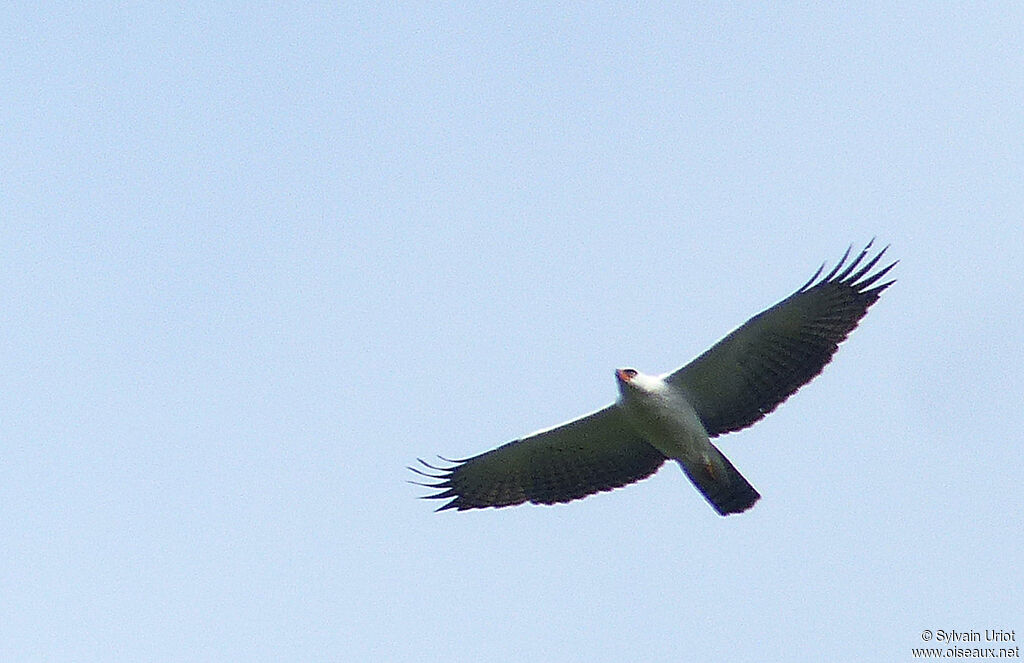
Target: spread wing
[(751, 371), (597, 452)]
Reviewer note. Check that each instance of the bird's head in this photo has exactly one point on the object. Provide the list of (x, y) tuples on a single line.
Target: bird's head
[(632, 380), (625, 375)]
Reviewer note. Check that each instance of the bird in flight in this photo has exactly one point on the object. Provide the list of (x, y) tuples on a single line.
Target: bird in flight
[(734, 384)]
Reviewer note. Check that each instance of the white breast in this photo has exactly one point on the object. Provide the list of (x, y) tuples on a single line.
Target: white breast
[(664, 417)]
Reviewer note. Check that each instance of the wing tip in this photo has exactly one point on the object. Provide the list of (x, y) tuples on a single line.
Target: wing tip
[(443, 486), (847, 273)]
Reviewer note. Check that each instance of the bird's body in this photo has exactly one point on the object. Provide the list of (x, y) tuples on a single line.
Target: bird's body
[(735, 383), (666, 420), (661, 414)]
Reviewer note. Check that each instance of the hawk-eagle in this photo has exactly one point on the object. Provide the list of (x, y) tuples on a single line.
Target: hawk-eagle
[(738, 381)]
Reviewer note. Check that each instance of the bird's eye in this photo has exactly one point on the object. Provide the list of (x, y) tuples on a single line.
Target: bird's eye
[(630, 372)]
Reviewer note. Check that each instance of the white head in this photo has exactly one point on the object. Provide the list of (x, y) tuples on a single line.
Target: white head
[(632, 380)]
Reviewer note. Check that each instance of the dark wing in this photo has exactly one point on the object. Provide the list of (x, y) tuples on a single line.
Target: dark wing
[(751, 371), (597, 452)]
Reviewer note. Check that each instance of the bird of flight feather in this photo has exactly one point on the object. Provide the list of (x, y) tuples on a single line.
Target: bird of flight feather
[(738, 381)]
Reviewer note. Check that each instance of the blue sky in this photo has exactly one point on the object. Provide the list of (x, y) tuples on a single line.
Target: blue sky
[(255, 260)]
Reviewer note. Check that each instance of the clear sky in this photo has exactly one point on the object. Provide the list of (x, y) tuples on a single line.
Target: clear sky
[(255, 260)]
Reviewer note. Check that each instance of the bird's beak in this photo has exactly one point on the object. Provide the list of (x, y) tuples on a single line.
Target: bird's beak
[(621, 375)]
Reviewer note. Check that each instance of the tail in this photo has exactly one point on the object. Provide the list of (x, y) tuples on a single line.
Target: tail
[(721, 483)]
